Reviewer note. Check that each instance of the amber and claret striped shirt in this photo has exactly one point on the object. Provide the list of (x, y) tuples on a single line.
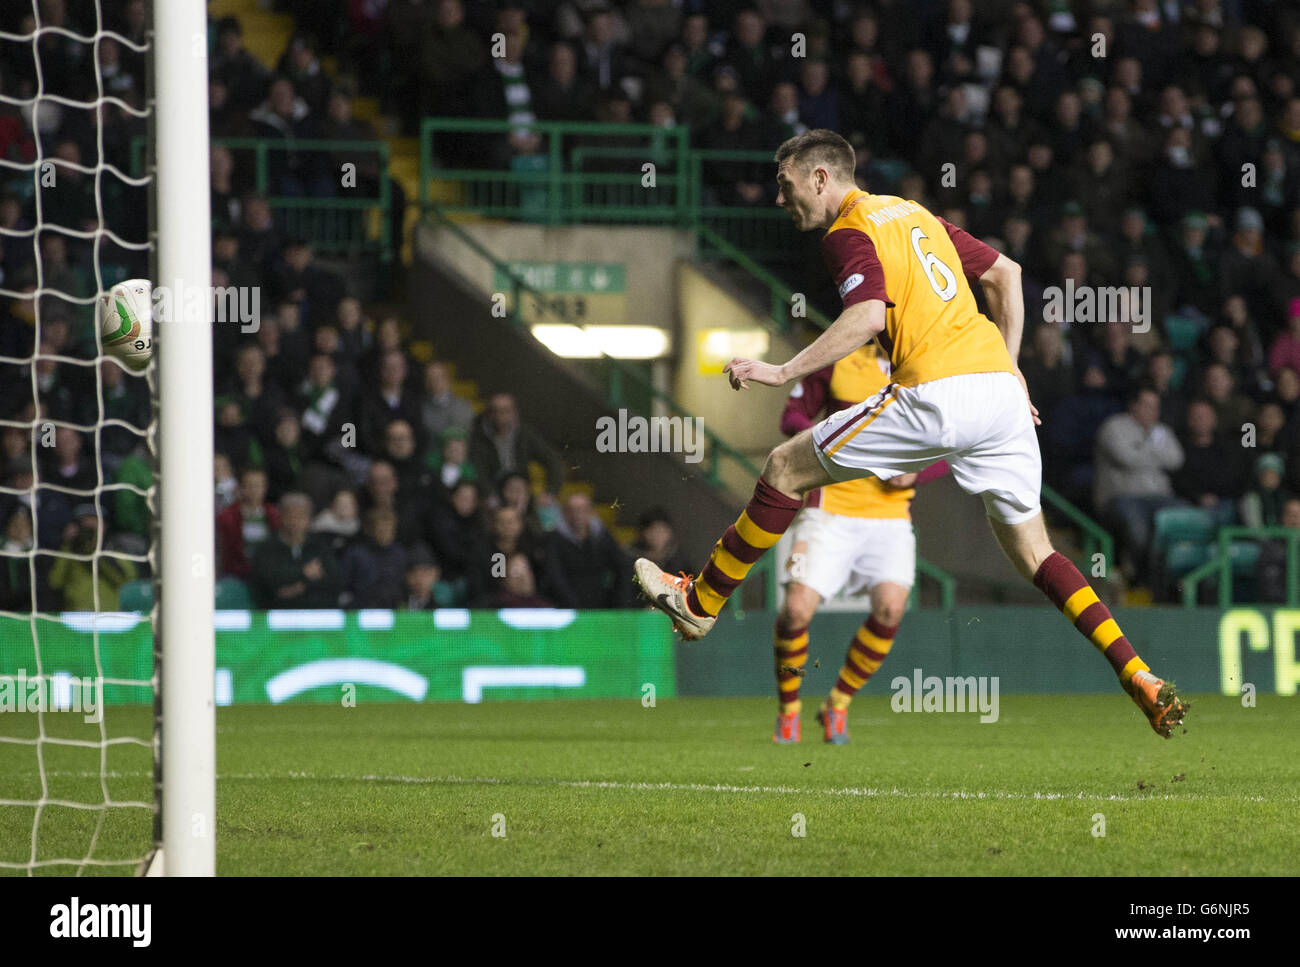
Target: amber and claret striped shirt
[(848, 382), (889, 248)]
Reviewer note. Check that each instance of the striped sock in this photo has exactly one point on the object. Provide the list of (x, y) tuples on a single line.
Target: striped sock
[(869, 648), (791, 655), (1061, 581), (759, 526)]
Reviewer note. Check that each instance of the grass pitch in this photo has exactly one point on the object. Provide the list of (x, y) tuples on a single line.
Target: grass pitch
[(695, 786)]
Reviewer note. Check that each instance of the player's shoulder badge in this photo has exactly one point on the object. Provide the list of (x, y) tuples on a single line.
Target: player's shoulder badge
[(851, 283)]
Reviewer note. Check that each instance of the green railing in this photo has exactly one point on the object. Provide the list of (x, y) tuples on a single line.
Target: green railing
[(346, 224), (1095, 538), (557, 185), (1221, 565), (947, 585), (765, 231), (781, 306)]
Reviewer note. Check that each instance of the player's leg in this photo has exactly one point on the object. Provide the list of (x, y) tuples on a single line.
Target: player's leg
[(790, 644), (1030, 549), (792, 469), (1004, 467)]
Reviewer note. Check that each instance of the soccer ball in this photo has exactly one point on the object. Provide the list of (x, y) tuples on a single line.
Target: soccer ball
[(126, 323)]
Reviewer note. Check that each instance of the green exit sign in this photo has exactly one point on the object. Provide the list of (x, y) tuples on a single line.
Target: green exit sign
[(592, 278)]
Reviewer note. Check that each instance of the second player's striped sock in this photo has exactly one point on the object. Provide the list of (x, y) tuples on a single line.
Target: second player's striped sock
[(759, 526), (1061, 581), (868, 649), (791, 645)]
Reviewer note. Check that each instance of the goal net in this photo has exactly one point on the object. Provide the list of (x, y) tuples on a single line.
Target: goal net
[(88, 587)]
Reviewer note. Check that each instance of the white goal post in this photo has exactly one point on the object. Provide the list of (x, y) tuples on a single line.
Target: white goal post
[(184, 377)]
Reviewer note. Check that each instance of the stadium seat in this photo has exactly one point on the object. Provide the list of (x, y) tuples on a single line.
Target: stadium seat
[(1184, 556), (1174, 524), (136, 596), (232, 595)]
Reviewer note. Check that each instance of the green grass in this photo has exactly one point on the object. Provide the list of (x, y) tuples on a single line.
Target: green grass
[(696, 786)]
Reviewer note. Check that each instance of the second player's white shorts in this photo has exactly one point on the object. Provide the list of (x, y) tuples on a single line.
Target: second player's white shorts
[(850, 553), (979, 422)]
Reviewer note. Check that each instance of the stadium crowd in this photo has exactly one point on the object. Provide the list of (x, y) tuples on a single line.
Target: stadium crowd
[(1143, 155)]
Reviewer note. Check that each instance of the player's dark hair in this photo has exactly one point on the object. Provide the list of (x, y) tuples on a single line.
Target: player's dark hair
[(819, 147)]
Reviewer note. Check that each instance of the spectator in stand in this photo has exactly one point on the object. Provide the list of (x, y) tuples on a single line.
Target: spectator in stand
[(500, 443), (503, 91), (562, 95), (441, 407), (1046, 373), (354, 334), (66, 464), (246, 524), (1071, 434), (424, 588), (300, 65), (259, 238), (1272, 565), (225, 484), (340, 521), (1124, 364), (508, 537), (450, 462), (1135, 456), (15, 567), (1232, 408), (88, 585), (1246, 266), (450, 56), (657, 541), (233, 436), (401, 451), (258, 397), (514, 490), (374, 569), (243, 75), (586, 559), (325, 408), (391, 400), (285, 117), (458, 539), (284, 456), (1160, 377), (294, 568), (1285, 351), (302, 280), (1211, 474), (1262, 504), (520, 586)]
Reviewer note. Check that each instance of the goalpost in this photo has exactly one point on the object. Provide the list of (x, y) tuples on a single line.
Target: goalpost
[(184, 359), (183, 742)]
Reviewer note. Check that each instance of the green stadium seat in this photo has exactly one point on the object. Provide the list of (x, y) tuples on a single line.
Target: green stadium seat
[(1182, 331), (136, 596), (232, 595), (1181, 524), (1184, 556)]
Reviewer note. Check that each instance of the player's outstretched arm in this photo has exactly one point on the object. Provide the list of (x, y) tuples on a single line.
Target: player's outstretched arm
[(1001, 282), (856, 326)]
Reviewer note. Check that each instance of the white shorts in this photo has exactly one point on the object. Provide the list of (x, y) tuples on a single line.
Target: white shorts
[(852, 554), (979, 422)]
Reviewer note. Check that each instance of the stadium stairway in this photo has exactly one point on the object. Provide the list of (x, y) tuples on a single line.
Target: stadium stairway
[(556, 396)]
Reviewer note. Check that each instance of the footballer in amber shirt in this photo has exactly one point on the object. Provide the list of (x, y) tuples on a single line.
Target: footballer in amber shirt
[(888, 248)]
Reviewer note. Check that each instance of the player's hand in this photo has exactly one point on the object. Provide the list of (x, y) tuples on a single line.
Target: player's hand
[(1025, 386), (902, 481), (741, 371)]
